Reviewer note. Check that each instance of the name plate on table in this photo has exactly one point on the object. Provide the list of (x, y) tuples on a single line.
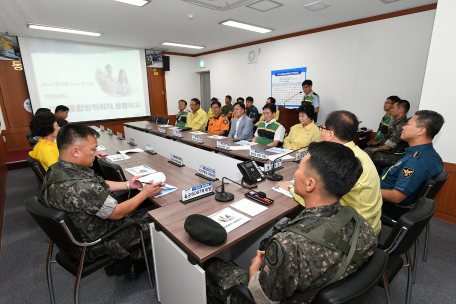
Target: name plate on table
[(150, 150), (195, 193), (277, 165), (223, 145), (258, 154), (119, 135), (176, 160), (300, 155), (177, 133), (206, 172), (102, 128), (197, 139), (132, 141), (109, 131), (148, 127), (161, 130)]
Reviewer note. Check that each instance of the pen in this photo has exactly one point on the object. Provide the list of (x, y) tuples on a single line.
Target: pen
[(263, 199), (267, 148)]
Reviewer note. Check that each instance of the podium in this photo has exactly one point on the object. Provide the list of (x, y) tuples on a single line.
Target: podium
[(288, 117)]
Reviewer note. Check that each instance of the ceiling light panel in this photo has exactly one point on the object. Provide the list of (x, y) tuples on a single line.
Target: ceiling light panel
[(264, 5), (61, 29), (221, 5), (183, 45), (134, 2), (316, 6), (246, 26)]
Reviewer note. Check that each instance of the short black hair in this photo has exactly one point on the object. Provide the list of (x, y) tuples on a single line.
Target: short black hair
[(61, 108), (72, 133), (336, 165), (394, 98), (307, 82), (249, 98), (307, 109), (61, 122), (241, 104), (272, 99), (217, 103), (43, 124), (229, 97), (182, 101), (196, 100), (214, 99), (240, 98), (42, 110), (430, 120), (404, 104), (344, 124), (271, 107)]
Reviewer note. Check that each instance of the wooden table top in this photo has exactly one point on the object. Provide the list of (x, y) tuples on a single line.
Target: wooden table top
[(208, 143), (171, 218)]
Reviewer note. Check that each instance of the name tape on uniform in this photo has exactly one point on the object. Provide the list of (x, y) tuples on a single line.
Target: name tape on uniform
[(161, 130), (102, 128), (197, 191), (277, 164), (258, 154), (197, 139), (223, 145), (177, 133), (300, 155), (176, 159), (206, 171)]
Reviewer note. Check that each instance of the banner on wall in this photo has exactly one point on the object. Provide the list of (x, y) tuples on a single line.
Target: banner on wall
[(154, 59), (285, 84), (9, 48)]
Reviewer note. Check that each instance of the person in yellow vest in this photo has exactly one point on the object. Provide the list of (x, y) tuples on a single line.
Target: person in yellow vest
[(366, 197), (197, 119), (305, 132), (310, 97), (270, 132), (273, 101), (181, 116), (218, 125), (45, 151)]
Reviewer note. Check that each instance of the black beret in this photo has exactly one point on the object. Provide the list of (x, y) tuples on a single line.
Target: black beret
[(205, 230)]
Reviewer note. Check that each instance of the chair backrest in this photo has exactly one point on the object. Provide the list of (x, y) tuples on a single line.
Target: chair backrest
[(162, 120), (37, 168), (49, 220), (356, 287), (431, 187), (152, 118), (111, 172), (409, 227)]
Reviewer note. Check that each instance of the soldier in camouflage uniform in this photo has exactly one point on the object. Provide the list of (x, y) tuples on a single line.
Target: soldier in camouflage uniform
[(71, 186), (293, 268), (392, 142)]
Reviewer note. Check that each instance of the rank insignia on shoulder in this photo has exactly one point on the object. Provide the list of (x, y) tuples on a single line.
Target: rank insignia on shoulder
[(398, 163), (415, 154), (273, 255), (407, 172)]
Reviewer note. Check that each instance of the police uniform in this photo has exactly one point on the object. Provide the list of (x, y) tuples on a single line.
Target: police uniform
[(87, 200), (252, 113), (419, 164), (294, 266), (312, 99), (217, 124), (181, 118), (267, 132)]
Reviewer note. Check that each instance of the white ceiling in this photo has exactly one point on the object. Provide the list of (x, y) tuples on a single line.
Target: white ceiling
[(167, 20)]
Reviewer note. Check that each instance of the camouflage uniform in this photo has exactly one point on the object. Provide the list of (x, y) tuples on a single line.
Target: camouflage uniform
[(87, 200), (392, 140), (292, 262)]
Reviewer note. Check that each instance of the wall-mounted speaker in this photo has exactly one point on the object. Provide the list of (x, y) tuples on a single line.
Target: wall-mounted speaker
[(165, 63)]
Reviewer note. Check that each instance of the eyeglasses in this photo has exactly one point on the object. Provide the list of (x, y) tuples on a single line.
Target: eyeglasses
[(321, 128)]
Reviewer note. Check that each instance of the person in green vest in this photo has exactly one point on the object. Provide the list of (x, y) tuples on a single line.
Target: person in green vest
[(270, 132), (181, 116), (310, 97), (384, 124)]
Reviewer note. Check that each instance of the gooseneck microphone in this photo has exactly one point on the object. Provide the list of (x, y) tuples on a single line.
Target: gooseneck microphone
[(276, 177), (291, 97), (223, 196)]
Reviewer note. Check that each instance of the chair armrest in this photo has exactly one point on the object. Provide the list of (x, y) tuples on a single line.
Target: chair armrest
[(406, 206), (241, 290), (118, 229), (387, 219)]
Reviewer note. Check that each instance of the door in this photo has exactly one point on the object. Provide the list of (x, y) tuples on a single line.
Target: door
[(205, 87)]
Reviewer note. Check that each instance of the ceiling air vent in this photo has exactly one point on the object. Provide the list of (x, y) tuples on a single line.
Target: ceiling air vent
[(316, 6), (220, 5)]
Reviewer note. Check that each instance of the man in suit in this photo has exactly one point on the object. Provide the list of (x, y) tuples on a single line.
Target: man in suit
[(241, 125)]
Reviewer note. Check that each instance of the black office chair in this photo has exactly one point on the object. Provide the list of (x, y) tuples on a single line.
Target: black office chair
[(61, 231), (111, 172), (30, 139), (162, 120), (37, 169), (404, 234), (152, 118)]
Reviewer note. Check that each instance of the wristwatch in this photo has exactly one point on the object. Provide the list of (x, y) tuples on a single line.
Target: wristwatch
[(289, 187), (128, 185)]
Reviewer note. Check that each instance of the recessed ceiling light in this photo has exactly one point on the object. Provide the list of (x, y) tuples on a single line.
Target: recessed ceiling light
[(246, 26), (316, 6), (388, 1), (134, 2), (61, 29), (183, 45)]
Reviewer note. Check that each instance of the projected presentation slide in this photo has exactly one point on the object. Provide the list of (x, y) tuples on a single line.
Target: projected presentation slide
[(95, 83)]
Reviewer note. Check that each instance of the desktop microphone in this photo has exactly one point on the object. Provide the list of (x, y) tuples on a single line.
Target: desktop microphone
[(223, 196), (276, 177), (291, 97)]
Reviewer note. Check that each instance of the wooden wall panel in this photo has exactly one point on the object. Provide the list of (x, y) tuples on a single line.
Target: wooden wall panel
[(3, 181), (446, 198)]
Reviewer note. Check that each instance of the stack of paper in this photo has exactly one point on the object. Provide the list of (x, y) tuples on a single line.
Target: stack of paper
[(240, 147), (249, 207), (140, 170), (165, 126), (217, 137), (197, 133), (101, 148), (117, 157), (246, 143), (154, 178)]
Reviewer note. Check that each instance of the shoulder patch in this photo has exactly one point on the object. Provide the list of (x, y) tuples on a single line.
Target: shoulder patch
[(416, 154), (273, 254), (225, 121), (407, 172)]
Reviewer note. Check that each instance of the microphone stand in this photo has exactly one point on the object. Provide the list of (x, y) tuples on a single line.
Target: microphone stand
[(291, 98), (223, 196), (276, 177)]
